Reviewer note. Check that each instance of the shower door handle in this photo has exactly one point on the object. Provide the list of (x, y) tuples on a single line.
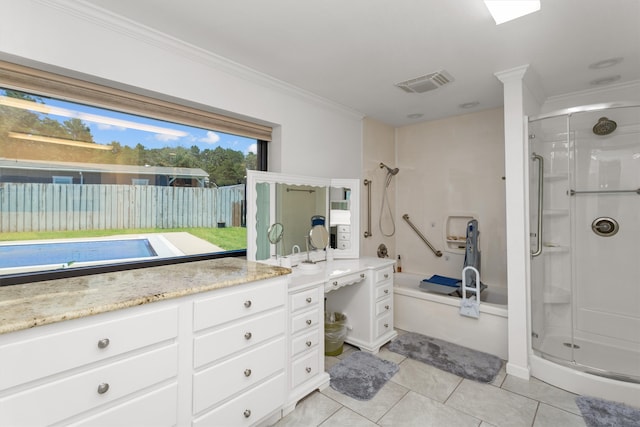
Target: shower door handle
[(540, 160)]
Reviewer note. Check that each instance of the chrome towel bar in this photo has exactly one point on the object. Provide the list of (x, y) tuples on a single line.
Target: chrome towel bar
[(367, 183)]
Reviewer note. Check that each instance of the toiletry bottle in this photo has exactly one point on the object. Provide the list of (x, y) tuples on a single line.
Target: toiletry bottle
[(399, 265)]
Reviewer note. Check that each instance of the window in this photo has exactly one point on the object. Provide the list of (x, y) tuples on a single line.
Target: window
[(147, 181)]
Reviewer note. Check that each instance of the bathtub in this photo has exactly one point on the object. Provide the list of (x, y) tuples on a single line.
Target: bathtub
[(437, 315)]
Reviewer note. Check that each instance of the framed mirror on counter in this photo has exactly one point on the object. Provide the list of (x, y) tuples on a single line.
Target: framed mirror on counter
[(298, 203)]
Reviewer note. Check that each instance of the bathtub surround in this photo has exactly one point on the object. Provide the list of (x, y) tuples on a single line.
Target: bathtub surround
[(600, 412), (361, 375), (458, 360)]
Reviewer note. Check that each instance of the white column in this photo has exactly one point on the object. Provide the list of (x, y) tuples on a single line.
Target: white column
[(515, 149)]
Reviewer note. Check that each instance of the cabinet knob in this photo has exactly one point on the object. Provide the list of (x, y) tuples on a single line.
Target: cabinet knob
[(335, 283), (247, 413), (103, 343), (386, 275), (308, 369), (247, 335), (309, 300), (386, 291), (386, 325), (362, 275), (386, 307), (309, 321), (247, 372), (308, 343), (103, 388), (247, 303)]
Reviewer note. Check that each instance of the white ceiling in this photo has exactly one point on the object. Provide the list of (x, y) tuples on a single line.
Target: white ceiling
[(353, 51)]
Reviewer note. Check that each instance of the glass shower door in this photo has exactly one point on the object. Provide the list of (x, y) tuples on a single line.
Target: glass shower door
[(550, 145)]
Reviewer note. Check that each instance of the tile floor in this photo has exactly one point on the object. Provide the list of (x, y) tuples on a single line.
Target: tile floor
[(421, 395)]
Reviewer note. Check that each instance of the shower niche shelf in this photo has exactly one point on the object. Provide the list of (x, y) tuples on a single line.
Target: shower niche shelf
[(455, 232)]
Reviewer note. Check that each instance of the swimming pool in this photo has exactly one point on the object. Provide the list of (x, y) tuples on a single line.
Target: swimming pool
[(25, 256)]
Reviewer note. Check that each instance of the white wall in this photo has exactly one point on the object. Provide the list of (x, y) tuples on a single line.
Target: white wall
[(449, 167), (312, 136)]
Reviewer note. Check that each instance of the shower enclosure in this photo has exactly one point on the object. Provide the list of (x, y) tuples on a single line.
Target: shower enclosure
[(584, 180)]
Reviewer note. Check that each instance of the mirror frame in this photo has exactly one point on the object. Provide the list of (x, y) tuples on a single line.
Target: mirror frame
[(255, 177)]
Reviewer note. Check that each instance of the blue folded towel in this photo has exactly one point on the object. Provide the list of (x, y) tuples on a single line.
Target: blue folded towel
[(443, 280)]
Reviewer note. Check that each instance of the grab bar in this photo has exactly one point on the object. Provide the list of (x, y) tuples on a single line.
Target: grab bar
[(574, 192), (367, 183), (424, 239), (540, 160)]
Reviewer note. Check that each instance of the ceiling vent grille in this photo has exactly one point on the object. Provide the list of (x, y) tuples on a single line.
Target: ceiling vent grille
[(426, 83)]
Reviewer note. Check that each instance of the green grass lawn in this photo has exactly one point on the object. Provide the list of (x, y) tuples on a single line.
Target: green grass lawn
[(229, 238)]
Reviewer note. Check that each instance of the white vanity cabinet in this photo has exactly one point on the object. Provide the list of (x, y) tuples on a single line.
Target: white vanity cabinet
[(239, 354), (305, 358), (206, 359), (95, 370), (365, 296)]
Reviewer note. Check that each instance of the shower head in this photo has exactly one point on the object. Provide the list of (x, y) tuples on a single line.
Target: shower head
[(604, 126), (390, 171)]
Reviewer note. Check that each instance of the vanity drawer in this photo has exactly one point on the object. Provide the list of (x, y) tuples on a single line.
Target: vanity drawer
[(384, 274), (305, 342), (304, 368), (89, 340), (350, 279), (384, 306), (239, 336), (343, 228), (58, 400), (344, 236), (243, 300), (384, 325), (304, 299), (303, 321), (384, 290), (247, 408), (225, 379), (343, 244)]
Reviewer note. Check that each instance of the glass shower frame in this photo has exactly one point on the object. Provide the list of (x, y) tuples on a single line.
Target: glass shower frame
[(558, 315)]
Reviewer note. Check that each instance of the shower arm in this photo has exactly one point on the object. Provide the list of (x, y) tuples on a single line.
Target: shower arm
[(540, 160)]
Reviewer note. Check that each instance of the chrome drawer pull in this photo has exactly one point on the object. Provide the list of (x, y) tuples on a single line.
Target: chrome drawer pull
[(309, 321), (247, 303), (247, 335), (247, 372), (386, 307), (103, 343), (308, 343), (362, 275), (386, 325), (247, 413), (308, 369), (386, 291), (309, 300), (335, 283), (386, 275), (103, 388)]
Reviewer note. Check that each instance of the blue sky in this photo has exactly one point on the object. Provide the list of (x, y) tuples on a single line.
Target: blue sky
[(108, 126)]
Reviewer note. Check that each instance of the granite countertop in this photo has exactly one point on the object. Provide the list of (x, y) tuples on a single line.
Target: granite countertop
[(40, 303)]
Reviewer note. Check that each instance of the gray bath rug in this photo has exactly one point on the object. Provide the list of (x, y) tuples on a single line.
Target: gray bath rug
[(462, 361), (361, 375), (599, 413)]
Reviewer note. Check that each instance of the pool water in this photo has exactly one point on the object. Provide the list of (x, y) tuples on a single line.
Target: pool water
[(32, 254)]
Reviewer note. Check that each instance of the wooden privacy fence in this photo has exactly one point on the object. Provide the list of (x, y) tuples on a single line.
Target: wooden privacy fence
[(66, 207)]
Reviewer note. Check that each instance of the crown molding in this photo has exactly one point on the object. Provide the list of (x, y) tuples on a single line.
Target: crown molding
[(593, 91), (129, 28)]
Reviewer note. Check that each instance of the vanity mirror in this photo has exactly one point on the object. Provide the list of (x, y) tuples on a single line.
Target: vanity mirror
[(297, 202)]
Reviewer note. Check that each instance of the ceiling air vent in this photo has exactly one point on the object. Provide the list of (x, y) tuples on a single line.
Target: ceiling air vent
[(426, 83)]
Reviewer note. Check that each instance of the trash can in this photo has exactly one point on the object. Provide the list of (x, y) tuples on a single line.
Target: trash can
[(335, 332)]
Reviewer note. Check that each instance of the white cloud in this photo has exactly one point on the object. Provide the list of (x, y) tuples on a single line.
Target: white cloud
[(165, 138), (253, 148), (211, 138)]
